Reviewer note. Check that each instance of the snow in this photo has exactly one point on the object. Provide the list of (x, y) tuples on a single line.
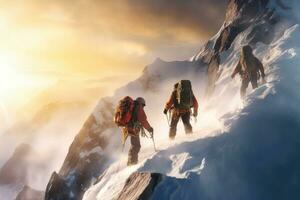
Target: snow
[(235, 142)]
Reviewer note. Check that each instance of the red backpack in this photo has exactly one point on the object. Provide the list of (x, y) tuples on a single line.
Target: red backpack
[(124, 111)]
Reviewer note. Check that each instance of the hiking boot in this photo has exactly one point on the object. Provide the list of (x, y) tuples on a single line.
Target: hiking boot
[(131, 163), (172, 137)]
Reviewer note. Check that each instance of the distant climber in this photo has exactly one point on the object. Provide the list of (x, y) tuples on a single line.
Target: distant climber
[(249, 68), (130, 115), (180, 103)]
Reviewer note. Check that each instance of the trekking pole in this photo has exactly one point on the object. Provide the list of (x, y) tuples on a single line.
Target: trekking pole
[(152, 137), (123, 146), (168, 120)]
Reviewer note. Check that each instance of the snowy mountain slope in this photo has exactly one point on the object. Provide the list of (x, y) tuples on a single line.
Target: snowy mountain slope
[(237, 132), (100, 132), (254, 158)]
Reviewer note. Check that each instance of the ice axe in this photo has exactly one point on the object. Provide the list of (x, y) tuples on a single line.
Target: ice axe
[(168, 118), (152, 137), (195, 117), (143, 133)]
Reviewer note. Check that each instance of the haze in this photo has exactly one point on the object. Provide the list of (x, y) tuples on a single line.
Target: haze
[(91, 44)]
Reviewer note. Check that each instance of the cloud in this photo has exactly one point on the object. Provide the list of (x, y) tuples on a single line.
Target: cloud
[(153, 23), (105, 38), (162, 21), (202, 16)]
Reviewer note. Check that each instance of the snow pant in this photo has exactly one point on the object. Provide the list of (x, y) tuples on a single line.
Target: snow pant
[(134, 149), (245, 83), (185, 116)]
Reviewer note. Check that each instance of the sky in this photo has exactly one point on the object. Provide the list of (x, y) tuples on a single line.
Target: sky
[(99, 41)]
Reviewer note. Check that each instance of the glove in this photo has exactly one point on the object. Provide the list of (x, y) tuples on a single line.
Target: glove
[(195, 114), (150, 130), (165, 111)]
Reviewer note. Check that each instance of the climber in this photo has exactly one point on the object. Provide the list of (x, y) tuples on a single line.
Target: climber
[(250, 70), (130, 115), (180, 103)]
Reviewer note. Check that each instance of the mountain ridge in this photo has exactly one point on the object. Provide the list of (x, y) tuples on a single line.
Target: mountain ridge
[(247, 22)]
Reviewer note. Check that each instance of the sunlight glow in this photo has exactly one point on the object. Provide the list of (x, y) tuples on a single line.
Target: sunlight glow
[(15, 84), (8, 76)]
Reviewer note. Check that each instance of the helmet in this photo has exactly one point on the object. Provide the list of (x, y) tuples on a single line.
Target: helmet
[(141, 101), (247, 49)]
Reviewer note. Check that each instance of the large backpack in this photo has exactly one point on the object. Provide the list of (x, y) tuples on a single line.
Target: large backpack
[(124, 111), (184, 94)]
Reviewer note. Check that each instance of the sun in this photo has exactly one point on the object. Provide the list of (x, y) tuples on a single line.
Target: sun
[(13, 80)]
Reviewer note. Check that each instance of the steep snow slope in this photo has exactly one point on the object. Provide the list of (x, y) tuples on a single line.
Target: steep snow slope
[(256, 155), (254, 159), (236, 132), (83, 164)]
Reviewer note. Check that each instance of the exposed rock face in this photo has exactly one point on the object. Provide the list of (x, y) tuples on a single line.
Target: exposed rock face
[(28, 193), (243, 11), (57, 188), (15, 169), (85, 159), (242, 15), (140, 186)]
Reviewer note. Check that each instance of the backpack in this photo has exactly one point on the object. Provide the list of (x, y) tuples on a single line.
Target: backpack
[(124, 111), (184, 94)]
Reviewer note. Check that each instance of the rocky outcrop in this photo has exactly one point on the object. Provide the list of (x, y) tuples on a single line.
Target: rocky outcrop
[(242, 15), (28, 193), (140, 186), (15, 169), (57, 188), (85, 159)]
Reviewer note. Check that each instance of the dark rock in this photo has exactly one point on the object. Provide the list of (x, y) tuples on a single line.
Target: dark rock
[(140, 186), (240, 16), (28, 193), (226, 37), (57, 188), (241, 11), (81, 164), (282, 5)]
